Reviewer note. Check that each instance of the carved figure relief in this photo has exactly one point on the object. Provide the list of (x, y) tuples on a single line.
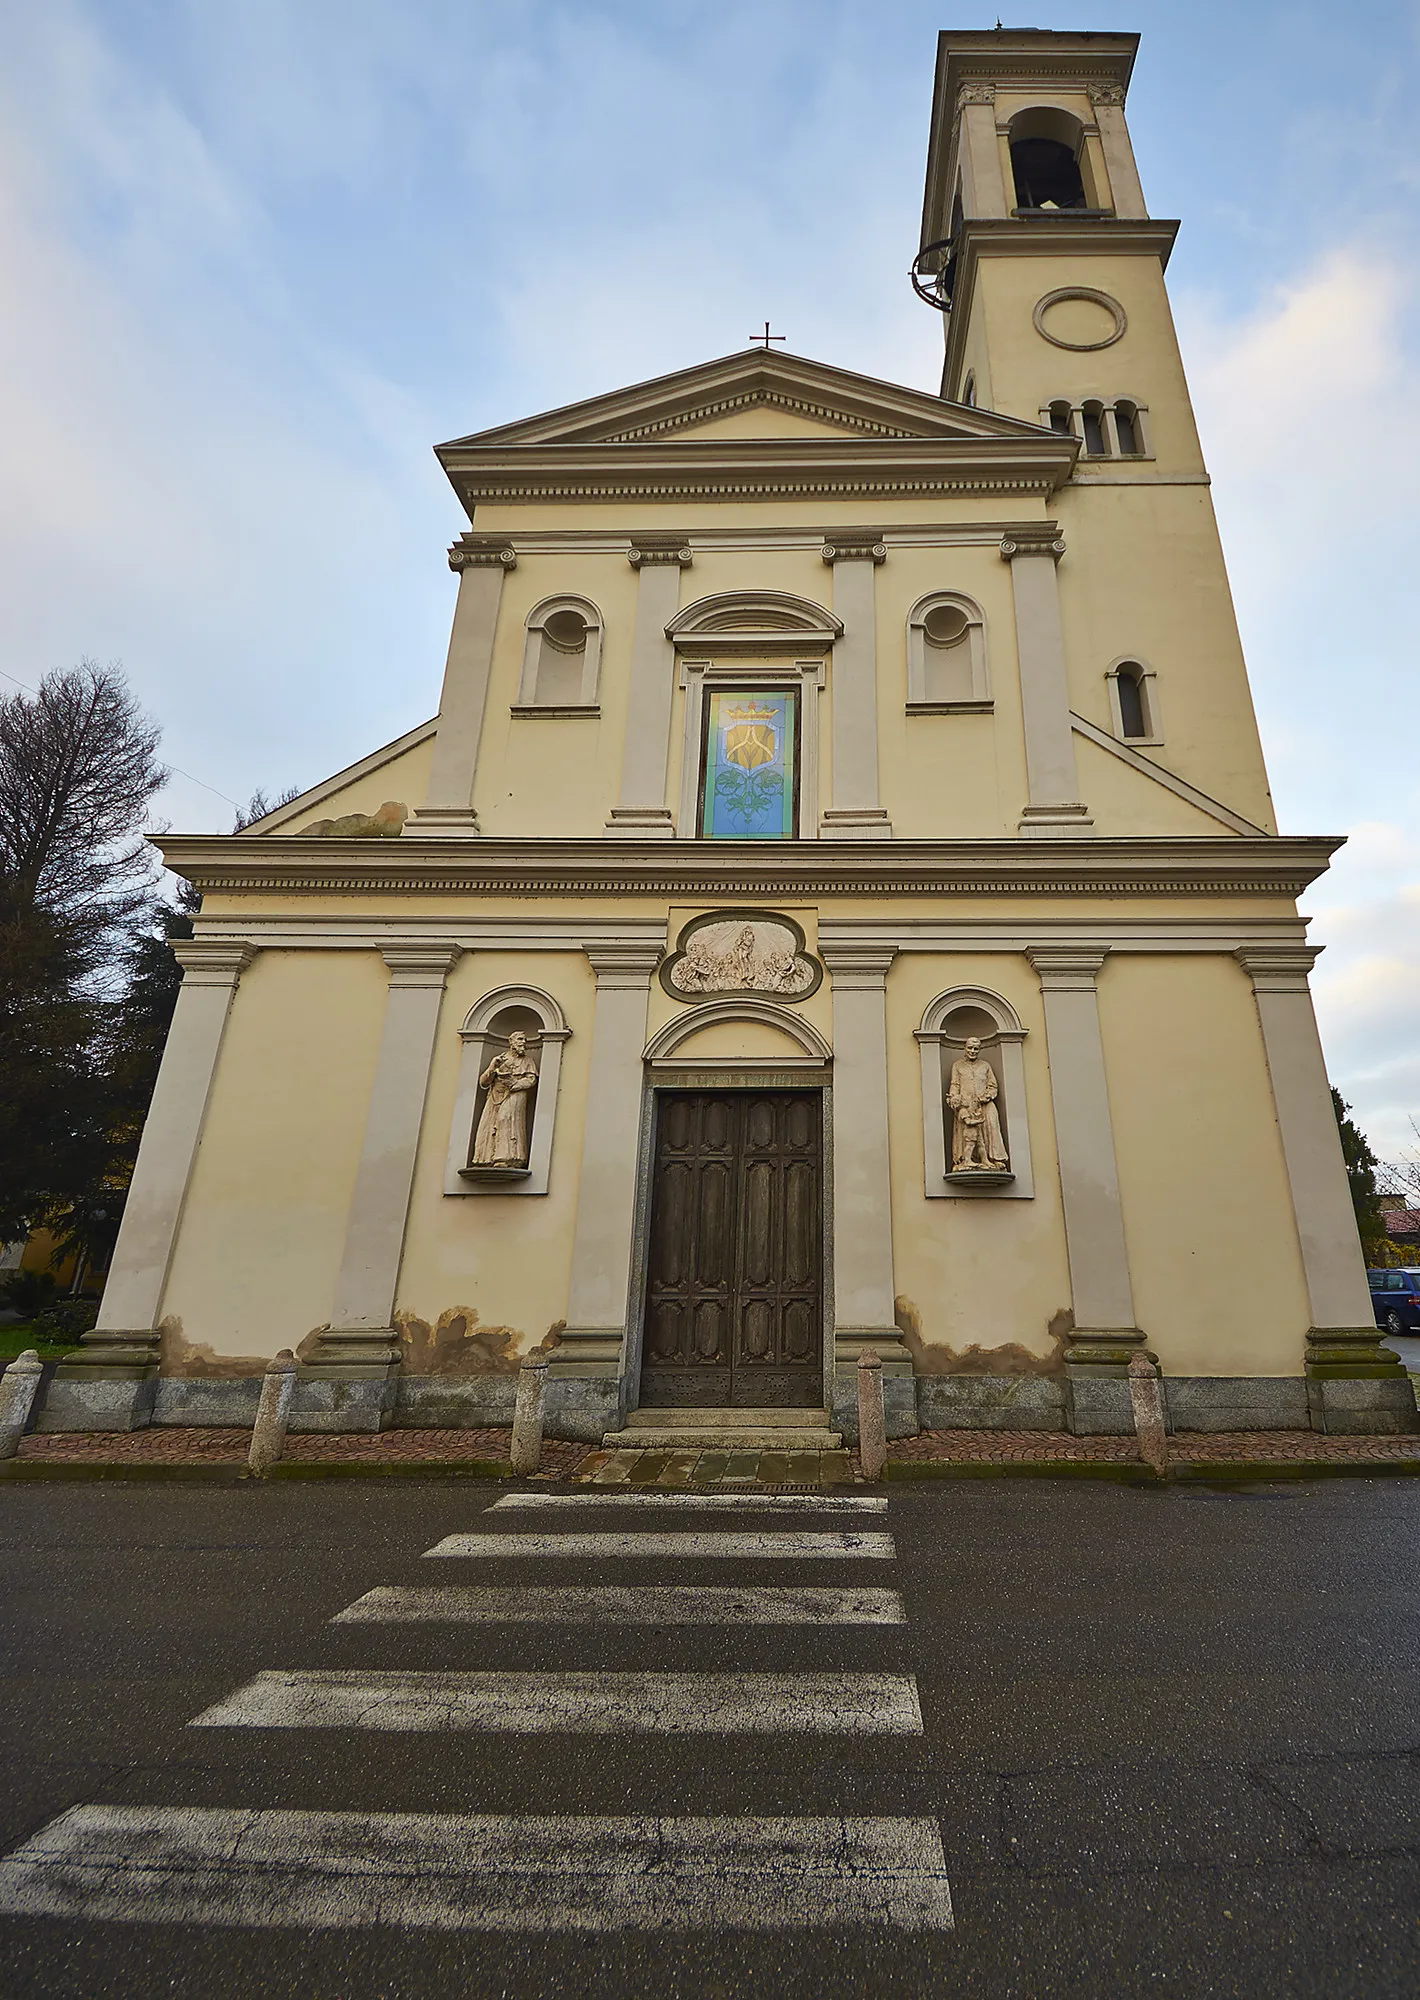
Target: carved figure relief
[(741, 954), (502, 1136), (977, 1144)]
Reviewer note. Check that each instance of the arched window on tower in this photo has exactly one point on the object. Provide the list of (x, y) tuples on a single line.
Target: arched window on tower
[(1126, 429), (1092, 419), (561, 658), (1060, 415), (1046, 146), (1134, 702), (968, 394)]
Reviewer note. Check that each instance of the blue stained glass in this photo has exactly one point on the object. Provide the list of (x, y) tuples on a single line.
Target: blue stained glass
[(750, 746)]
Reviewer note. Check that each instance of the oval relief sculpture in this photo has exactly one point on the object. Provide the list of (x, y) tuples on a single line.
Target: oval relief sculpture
[(1079, 318), (741, 952)]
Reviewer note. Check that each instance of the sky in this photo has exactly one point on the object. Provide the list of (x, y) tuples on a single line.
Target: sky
[(261, 257)]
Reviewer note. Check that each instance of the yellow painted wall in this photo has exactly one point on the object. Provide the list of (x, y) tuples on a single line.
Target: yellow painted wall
[(985, 1273), (264, 1223), (1213, 1250), (506, 1256), (403, 777)]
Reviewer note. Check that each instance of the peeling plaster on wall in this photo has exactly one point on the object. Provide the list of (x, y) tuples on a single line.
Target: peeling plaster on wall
[(190, 1361), (457, 1345), (931, 1358)]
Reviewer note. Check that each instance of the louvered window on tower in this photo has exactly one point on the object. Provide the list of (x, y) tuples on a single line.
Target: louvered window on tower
[(1045, 159)]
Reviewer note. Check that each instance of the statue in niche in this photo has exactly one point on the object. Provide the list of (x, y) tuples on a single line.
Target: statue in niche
[(977, 1145), (510, 1079)]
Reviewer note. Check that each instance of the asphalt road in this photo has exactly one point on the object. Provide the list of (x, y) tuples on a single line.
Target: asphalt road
[(1169, 1741)]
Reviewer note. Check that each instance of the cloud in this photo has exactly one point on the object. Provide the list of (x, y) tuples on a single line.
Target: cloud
[(1310, 414)]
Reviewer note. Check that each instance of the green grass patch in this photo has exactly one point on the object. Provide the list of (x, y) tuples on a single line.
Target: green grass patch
[(15, 1339)]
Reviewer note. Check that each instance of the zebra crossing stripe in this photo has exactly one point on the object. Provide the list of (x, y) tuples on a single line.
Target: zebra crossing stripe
[(781, 1545), (759, 1503), (620, 1604), (821, 1704), (328, 1870)]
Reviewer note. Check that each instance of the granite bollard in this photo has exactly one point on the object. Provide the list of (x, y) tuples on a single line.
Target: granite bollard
[(268, 1437), (1147, 1398), (872, 1423), (525, 1452), (18, 1386)]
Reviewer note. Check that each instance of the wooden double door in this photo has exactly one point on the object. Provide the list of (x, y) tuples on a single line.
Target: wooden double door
[(734, 1296)]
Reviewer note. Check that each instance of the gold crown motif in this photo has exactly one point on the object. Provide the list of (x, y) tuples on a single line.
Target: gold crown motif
[(751, 712)]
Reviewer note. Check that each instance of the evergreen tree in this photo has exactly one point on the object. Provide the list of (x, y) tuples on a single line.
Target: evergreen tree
[(1361, 1166)]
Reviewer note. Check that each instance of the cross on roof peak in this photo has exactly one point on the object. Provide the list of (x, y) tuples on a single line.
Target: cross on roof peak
[(763, 339)]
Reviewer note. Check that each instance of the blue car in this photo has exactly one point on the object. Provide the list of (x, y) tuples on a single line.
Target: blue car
[(1395, 1296)]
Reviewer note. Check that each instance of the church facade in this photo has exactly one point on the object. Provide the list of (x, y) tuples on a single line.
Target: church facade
[(837, 904)]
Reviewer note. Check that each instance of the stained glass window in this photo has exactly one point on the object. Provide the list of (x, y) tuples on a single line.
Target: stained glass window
[(749, 781)]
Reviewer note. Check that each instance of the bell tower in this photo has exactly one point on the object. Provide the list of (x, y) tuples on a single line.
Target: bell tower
[(1039, 251)]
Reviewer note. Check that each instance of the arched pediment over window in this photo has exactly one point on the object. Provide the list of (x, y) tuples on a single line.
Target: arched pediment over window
[(754, 621), (793, 1033)]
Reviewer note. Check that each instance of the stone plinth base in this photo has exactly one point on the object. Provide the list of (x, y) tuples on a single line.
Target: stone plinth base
[(991, 1402), (107, 1383)]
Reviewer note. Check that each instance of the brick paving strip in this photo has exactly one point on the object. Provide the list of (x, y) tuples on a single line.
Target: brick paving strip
[(484, 1453)]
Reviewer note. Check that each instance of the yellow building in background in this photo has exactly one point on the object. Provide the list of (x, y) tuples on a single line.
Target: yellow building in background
[(838, 903)]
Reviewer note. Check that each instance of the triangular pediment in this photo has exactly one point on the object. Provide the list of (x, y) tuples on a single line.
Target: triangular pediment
[(752, 394)]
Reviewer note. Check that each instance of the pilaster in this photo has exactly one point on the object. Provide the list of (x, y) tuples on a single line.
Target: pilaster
[(1104, 1336), (1355, 1383), (642, 808), (1053, 807), (856, 812), (864, 1292), (480, 562), (586, 1389), (1126, 192), (358, 1354), (110, 1380)]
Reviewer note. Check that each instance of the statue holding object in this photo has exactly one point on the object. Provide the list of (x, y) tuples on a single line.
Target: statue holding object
[(977, 1144), (502, 1136)]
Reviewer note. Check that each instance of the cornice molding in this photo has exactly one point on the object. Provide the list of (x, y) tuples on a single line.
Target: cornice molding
[(725, 406), (476, 551), (1035, 463), (689, 869)]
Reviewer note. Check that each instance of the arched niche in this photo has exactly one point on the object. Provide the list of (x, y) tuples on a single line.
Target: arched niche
[(485, 1035), (951, 1018), (561, 658), (947, 666)]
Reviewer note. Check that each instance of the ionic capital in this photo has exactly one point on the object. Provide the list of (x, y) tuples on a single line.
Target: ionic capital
[(1036, 539), (976, 93), (478, 551), (855, 545), (1106, 93), (662, 548)]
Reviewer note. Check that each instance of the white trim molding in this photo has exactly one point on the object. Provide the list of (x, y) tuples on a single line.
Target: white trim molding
[(1170, 780), (553, 1032), (938, 1050)]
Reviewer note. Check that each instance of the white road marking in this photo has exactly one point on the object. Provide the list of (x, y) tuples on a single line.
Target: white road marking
[(622, 1604), (783, 1545), (821, 1704), (768, 1503), (327, 1870)]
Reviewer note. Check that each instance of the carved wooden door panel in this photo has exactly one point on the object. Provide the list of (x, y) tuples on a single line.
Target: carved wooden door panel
[(734, 1301)]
